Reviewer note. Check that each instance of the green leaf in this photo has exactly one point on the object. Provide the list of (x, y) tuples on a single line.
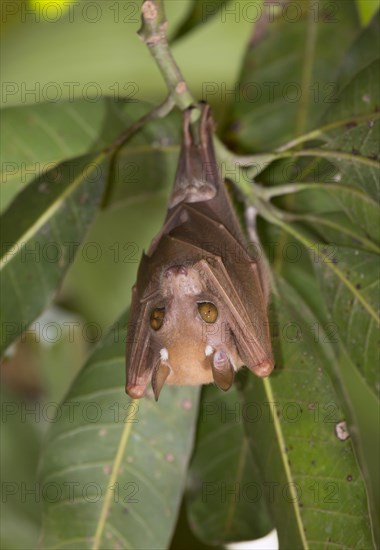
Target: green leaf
[(363, 408), (43, 135), (342, 214), (363, 51), (288, 77), (354, 133), (367, 10), (336, 227), (184, 538), (224, 499), (353, 301), (350, 132), (41, 232), (20, 448), (310, 476), (354, 394), (338, 163), (199, 13), (125, 461), (361, 210)]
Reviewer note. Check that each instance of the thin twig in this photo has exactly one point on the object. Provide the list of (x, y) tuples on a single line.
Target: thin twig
[(158, 112), (153, 33)]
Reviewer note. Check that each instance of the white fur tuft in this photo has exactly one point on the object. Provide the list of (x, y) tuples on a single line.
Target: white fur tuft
[(208, 351)]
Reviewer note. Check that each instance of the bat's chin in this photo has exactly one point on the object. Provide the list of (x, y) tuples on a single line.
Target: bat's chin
[(190, 373)]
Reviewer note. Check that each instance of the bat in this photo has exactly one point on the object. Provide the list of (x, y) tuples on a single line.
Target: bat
[(199, 305)]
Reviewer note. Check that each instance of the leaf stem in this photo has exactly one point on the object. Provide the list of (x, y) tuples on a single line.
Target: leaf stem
[(158, 112), (153, 33), (322, 130), (269, 192)]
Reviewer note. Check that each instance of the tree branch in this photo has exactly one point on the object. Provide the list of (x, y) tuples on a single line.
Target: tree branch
[(153, 34)]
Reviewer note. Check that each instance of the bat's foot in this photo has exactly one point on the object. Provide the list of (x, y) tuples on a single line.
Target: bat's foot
[(176, 270)]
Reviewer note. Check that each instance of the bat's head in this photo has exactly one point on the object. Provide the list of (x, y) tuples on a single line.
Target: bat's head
[(194, 343), (189, 338)]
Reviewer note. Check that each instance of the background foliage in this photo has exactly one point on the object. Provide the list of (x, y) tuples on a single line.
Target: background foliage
[(200, 467)]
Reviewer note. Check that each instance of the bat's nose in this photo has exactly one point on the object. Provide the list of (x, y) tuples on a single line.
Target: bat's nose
[(176, 270)]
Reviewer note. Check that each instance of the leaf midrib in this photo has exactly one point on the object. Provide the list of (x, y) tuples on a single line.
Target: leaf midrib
[(309, 245), (282, 446), (113, 478)]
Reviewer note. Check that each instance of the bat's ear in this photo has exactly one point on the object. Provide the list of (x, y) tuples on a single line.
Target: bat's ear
[(160, 374), (222, 370), (206, 125)]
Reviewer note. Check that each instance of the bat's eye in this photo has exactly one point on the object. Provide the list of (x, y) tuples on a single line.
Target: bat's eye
[(208, 312), (157, 318)]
